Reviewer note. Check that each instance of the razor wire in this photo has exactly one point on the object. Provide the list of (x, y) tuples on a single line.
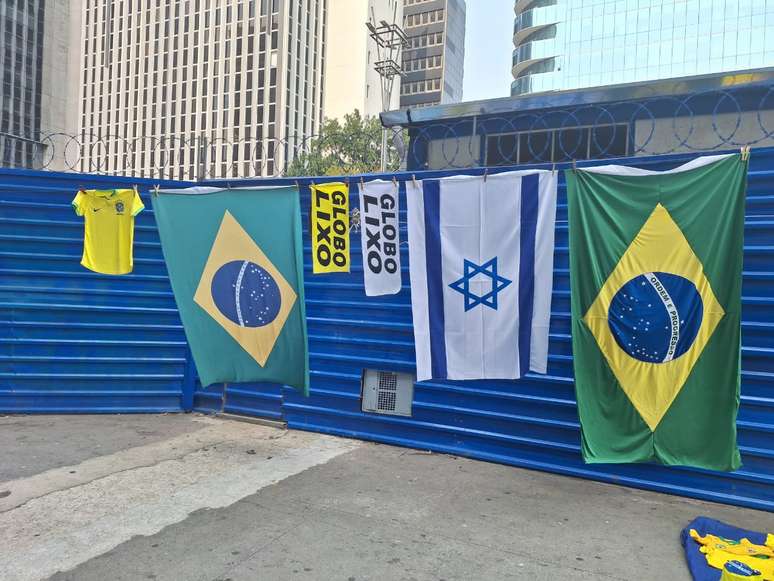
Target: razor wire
[(710, 120)]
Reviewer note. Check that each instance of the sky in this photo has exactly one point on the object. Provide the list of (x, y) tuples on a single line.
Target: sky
[(488, 49)]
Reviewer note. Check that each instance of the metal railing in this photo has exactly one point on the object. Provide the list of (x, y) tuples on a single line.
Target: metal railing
[(200, 156), (710, 120)]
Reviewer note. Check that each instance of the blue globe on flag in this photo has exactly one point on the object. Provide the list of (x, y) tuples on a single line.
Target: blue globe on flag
[(246, 294), (655, 316)]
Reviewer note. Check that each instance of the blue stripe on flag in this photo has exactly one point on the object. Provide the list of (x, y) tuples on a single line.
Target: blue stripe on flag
[(432, 198), (529, 215)]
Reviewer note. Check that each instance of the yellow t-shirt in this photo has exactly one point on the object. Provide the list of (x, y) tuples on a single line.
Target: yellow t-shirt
[(108, 228)]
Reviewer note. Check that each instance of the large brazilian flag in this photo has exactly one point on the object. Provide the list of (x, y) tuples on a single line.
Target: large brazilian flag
[(656, 277), (235, 261)]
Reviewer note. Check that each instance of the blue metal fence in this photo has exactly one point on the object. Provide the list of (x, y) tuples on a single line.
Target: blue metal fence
[(532, 422), (76, 341), (72, 340)]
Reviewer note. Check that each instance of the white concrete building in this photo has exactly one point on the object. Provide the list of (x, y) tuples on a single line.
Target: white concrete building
[(350, 79), (61, 67), (200, 88)]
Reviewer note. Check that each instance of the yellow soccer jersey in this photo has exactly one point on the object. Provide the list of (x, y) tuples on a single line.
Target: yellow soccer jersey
[(740, 547), (718, 551), (719, 558), (108, 228)]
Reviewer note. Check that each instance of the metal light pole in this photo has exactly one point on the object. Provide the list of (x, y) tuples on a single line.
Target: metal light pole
[(390, 40)]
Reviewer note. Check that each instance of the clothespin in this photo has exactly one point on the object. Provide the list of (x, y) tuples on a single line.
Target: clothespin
[(414, 180), (553, 167), (745, 152), (362, 183), (486, 173), (156, 190), (574, 165), (394, 181), (298, 187)]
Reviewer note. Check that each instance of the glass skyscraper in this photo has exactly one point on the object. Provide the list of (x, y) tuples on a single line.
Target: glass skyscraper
[(21, 55), (571, 44)]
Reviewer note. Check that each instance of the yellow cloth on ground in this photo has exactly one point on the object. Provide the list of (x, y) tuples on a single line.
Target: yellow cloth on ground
[(718, 551), (108, 228)]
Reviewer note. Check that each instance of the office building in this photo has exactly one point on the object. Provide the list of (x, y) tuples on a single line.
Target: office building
[(200, 88), (571, 44), (351, 82), (21, 55), (38, 89), (433, 63)]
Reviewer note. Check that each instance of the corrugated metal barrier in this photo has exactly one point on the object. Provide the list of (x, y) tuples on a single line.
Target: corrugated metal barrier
[(530, 423), (72, 340)]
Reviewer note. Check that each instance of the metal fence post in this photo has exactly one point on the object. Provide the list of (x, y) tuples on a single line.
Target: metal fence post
[(189, 382), (201, 170), (383, 162)]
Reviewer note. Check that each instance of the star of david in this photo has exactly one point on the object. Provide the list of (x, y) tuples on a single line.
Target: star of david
[(471, 269)]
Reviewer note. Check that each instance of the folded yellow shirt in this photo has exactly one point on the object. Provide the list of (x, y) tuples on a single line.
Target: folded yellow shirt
[(718, 551)]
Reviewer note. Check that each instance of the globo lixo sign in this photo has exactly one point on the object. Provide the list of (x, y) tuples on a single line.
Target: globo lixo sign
[(380, 238), (330, 228)]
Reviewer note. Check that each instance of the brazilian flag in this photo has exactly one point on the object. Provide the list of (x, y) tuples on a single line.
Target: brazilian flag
[(656, 277), (235, 261)]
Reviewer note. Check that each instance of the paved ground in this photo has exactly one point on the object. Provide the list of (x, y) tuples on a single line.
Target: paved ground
[(196, 498)]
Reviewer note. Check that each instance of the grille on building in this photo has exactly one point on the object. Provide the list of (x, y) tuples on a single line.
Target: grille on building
[(387, 392)]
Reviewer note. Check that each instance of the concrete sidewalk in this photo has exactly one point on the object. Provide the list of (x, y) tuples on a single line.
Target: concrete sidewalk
[(187, 497)]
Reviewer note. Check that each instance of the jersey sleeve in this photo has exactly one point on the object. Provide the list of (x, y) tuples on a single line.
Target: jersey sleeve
[(137, 205), (79, 202)]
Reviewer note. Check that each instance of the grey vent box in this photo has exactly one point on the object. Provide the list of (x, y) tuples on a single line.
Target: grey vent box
[(387, 392)]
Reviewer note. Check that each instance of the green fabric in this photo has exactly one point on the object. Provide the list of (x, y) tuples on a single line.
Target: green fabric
[(605, 213), (188, 225)]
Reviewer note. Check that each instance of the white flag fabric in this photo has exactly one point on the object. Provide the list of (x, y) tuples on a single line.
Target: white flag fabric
[(380, 238), (481, 258)]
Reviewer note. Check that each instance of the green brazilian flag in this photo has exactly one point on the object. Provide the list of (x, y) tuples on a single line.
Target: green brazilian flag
[(235, 261), (656, 278)]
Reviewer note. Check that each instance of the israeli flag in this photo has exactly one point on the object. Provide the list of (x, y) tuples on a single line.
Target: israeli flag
[(481, 253)]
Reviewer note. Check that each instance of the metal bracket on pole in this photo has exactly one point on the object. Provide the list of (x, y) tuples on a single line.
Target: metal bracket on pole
[(390, 40)]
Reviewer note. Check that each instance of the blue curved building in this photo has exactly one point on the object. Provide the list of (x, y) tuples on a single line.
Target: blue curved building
[(573, 44)]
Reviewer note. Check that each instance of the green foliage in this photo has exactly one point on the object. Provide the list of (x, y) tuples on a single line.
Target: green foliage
[(342, 148)]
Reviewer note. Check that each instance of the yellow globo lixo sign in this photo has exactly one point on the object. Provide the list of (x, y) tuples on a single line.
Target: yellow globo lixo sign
[(330, 228)]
